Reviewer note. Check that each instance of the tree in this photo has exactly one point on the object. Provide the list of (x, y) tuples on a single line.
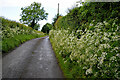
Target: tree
[(32, 14), (46, 28)]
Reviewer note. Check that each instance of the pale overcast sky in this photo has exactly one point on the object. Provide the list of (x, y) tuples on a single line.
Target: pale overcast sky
[(11, 9)]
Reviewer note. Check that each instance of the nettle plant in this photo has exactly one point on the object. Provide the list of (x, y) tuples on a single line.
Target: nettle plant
[(96, 54)]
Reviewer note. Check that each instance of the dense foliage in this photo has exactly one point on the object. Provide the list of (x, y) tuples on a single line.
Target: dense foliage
[(81, 17), (95, 55), (46, 28), (87, 41), (14, 33), (32, 14)]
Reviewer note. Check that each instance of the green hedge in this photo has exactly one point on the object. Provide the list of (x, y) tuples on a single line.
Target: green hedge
[(95, 55), (86, 41), (93, 12)]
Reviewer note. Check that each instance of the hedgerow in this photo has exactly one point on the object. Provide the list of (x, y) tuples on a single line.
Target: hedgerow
[(92, 12), (95, 55), (13, 34)]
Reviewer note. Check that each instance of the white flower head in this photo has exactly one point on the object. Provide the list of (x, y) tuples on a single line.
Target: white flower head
[(118, 55), (89, 71)]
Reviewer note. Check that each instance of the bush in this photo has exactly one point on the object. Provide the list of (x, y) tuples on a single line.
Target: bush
[(46, 28)]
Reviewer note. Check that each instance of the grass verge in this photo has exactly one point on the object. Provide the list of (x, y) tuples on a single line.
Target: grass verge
[(10, 43), (63, 66)]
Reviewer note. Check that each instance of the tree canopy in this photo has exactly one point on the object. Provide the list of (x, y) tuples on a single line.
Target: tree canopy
[(46, 28), (32, 14)]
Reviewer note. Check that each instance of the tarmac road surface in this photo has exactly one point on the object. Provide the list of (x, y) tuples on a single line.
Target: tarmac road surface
[(33, 59)]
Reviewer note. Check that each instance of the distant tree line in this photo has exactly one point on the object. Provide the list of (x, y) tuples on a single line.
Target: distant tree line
[(46, 28)]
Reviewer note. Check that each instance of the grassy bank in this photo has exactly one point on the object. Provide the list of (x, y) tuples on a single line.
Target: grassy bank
[(94, 55), (86, 41), (11, 43), (13, 34)]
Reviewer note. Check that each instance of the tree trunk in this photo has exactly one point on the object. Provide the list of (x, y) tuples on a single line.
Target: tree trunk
[(33, 23)]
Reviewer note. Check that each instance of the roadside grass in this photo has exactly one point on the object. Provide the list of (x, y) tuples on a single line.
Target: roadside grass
[(10, 43), (87, 42), (63, 66), (94, 55), (13, 34)]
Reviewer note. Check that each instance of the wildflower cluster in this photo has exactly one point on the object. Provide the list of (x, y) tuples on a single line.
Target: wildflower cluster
[(95, 55), (11, 28), (8, 32), (13, 34)]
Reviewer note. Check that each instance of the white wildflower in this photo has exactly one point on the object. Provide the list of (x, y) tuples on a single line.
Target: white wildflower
[(118, 55), (89, 71), (84, 67), (113, 58)]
